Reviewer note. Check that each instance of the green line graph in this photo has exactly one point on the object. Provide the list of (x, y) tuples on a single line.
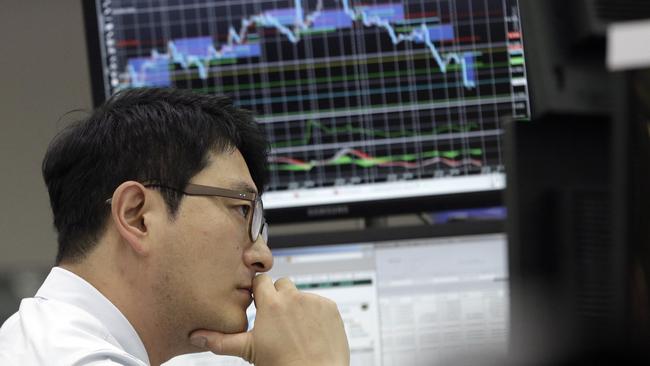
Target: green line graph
[(358, 158)]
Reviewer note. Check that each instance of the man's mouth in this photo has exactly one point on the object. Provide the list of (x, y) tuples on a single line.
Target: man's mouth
[(246, 289)]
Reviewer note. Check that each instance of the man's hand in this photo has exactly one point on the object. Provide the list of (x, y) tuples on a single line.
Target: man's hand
[(292, 328)]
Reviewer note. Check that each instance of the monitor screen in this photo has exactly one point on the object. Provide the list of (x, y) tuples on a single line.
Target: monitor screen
[(362, 101), (419, 301)]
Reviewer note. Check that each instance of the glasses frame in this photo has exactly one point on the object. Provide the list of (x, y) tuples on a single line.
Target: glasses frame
[(209, 191)]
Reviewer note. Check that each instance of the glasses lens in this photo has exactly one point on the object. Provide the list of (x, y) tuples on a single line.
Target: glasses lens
[(265, 233), (256, 224)]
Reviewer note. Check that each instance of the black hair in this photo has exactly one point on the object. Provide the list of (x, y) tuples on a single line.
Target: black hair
[(146, 135)]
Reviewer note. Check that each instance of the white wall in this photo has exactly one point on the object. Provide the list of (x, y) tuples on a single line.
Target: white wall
[(43, 74)]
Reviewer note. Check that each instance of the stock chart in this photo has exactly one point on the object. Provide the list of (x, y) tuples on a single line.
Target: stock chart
[(349, 92)]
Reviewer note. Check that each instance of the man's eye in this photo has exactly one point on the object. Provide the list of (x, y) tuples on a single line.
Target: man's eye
[(244, 210)]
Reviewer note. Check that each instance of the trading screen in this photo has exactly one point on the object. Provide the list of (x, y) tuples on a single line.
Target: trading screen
[(418, 302), (360, 99)]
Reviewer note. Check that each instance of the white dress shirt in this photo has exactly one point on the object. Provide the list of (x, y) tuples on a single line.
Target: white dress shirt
[(67, 323)]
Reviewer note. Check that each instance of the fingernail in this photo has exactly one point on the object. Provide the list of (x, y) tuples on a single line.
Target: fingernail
[(198, 341)]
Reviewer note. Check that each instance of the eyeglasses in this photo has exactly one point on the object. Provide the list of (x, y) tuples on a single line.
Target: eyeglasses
[(256, 224)]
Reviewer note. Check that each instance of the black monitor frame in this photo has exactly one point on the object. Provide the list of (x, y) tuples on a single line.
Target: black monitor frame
[(383, 234), (93, 51), (369, 209)]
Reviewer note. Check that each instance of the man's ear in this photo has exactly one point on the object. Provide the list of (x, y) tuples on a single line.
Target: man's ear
[(131, 206)]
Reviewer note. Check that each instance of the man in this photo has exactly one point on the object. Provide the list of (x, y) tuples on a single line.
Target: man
[(156, 200)]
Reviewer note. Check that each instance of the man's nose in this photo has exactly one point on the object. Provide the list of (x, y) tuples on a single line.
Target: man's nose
[(259, 256)]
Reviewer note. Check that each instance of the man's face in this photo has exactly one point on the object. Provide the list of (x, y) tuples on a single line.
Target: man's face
[(206, 262)]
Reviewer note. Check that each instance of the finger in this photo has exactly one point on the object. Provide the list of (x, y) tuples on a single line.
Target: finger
[(239, 344), (263, 288), (285, 284)]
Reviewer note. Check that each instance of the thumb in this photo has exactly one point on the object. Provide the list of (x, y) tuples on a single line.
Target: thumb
[(238, 344)]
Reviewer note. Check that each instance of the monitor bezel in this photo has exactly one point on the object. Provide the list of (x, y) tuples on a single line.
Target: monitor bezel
[(387, 234)]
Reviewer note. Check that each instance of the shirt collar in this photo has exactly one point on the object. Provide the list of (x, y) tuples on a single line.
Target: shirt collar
[(63, 285)]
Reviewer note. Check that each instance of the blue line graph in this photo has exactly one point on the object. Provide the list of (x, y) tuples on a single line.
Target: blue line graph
[(200, 52)]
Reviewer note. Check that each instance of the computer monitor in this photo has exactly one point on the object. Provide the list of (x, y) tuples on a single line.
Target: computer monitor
[(577, 196), (369, 106), (425, 296)]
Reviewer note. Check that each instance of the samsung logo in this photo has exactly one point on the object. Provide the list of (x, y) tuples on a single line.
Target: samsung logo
[(328, 210)]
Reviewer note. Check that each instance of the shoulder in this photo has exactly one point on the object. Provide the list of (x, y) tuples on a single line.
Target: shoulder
[(50, 332)]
